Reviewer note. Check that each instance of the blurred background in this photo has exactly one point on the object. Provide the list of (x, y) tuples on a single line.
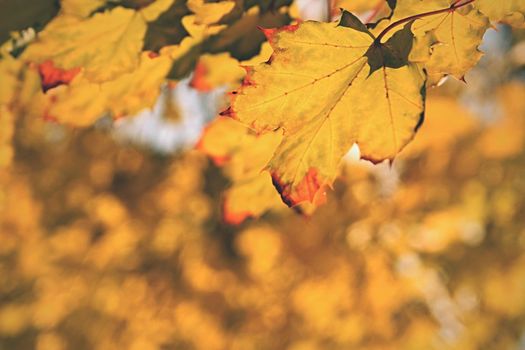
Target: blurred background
[(115, 236)]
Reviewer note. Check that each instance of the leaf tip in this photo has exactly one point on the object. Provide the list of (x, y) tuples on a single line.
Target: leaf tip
[(228, 112), (310, 189)]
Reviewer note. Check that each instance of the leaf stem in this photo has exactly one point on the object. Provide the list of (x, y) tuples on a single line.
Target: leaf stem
[(455, 5)]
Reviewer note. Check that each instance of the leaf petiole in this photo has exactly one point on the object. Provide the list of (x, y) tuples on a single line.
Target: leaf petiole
[(457, 4)]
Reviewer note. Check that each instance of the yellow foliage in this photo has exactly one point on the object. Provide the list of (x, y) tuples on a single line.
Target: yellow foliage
[(210, 13), (82, 102), (244, 156), (213, 71), (314, 105), (447, 43), (104, 46), (510, 11), (110, 246)]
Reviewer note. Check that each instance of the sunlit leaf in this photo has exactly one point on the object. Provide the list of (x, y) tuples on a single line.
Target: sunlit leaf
[(362, 92), (103, 46), (82, 102), (243, 156), (508, 11), (447, 42)]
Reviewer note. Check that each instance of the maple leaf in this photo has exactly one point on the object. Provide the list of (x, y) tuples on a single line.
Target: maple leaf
[(213, 71), (82, 102), (241, 37), (103, 46), (326, 87), (508, 11), (446, 42), (243, 156)]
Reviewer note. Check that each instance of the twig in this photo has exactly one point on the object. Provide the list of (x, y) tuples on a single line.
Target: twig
[(457, 4)]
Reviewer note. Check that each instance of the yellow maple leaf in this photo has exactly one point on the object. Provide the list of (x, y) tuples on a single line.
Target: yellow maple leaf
[(243, 156), (241, 38), (82, 102), (326, 87), (103, 46), (446, 42), (508, 11), (457, 38), (217, 70)]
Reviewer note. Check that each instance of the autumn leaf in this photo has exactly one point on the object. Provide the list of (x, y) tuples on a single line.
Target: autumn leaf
[(326, 87), (82, 102), (240, 37), (218, 70), (447, 42), (508, 11), (243, 156), (457, 38), (103, 46)]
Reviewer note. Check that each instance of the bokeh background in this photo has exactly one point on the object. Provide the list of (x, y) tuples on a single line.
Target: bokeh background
[(113, 236)]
